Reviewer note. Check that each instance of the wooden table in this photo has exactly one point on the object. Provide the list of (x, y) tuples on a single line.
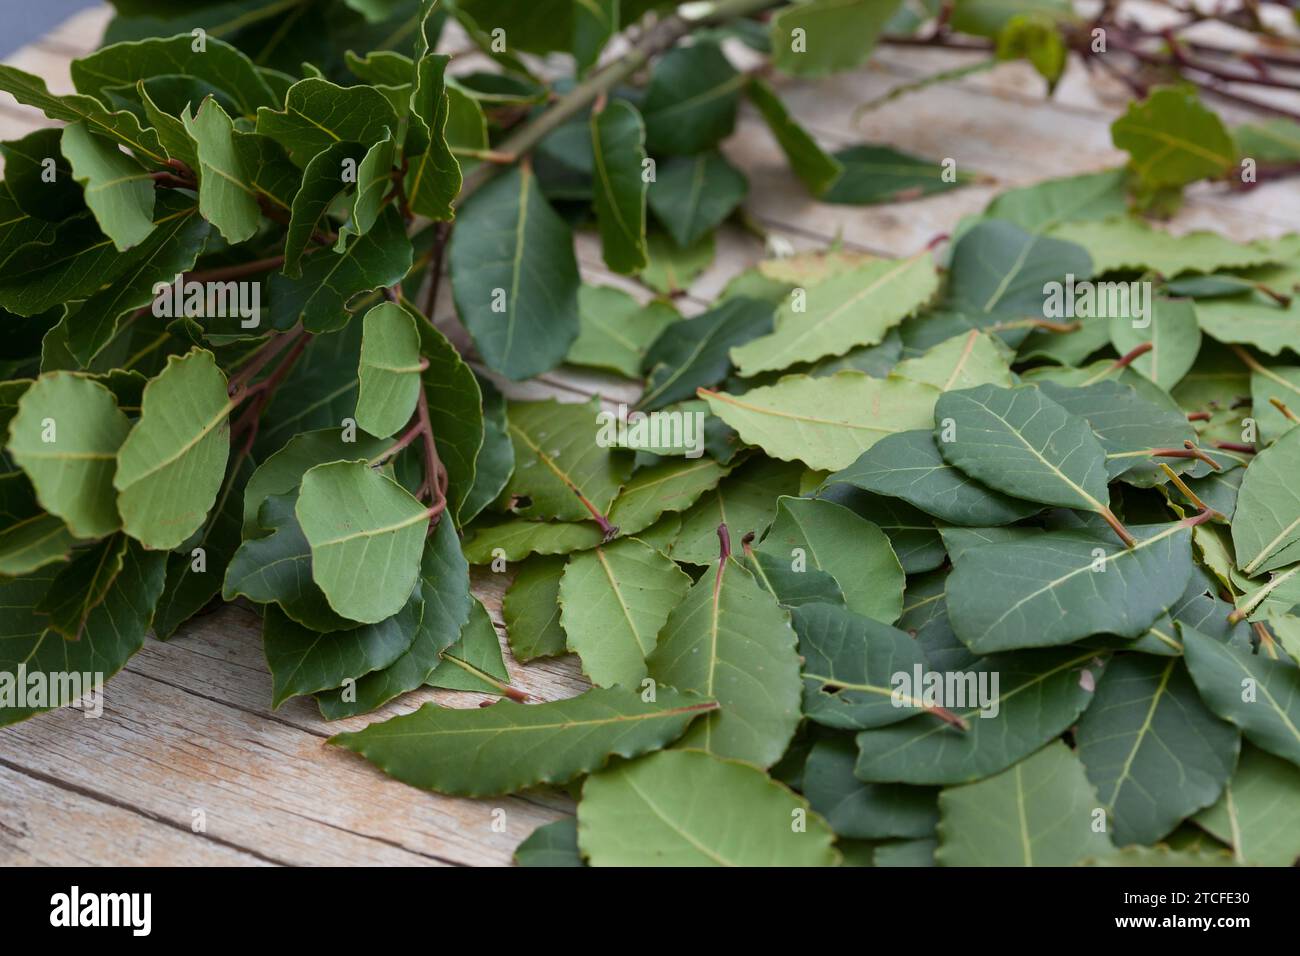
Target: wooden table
[(188, 735)]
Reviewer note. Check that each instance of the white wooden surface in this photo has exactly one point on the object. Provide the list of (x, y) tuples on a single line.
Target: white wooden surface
[(187, 730)]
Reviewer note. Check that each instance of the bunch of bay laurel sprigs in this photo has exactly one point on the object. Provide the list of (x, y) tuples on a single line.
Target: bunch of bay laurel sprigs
[(973, 568)]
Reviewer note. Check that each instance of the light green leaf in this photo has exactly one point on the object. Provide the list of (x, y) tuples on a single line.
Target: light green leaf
[(515, 278), (474, 662), (118, 190), (531, 609), (322, 180), (554, 844), (1267, 382), (1040, 207), (820, 37), (1173, 333), (1258, 695), (1257, 815), (66, 437), (389, 371), (514, 539), (1038, 813), (509, 747), (1061, 586), (349, 512), (695, 353), (1127, 244), (374, 182), (317, 114), (693, 195), (434, 177), (444, 589), (558, 463), (613, 601), (618, 150), (908, 465), (1266, 525), (615, 330), (170, 467), (824, 536), (1172, 139), (824, 422), (681, 808), (729, 640), (851, 309), (669, 486), (962, 361), (745, 501), (1154, 752), (1038, 695), (226, 199)]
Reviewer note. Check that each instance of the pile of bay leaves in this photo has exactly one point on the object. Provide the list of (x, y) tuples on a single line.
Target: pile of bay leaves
[(985, 555)]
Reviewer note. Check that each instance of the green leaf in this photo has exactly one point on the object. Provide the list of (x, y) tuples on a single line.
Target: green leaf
[(1257, 815), (613, 601), (880, 174), (1047, 204), (317, 114), (682, 808), (1061, 586), (1258, 695), (120, 125), (456, 413), (846, 310), (81, 585), (745, 501), (474, 662), (115, 630), (988, 17), (818, 170), (170, 250), (509, 747), (1266, 525), (214, 61), (824, 422), (690, 104), (668, 486), (31, 538), (864, 811), (849, 667), (495, 461), (672, 269), (555, 844), (558, 463), (618, 149), (389, 371), (515, 278), (434, 178), (322, 180), (1124, 243), (444, 589), (1038, 813), (824, 536), (1173, 333), (226, 198), (959, 362), (615, 330), (171, 466), (729, 640), (689, 355), (1020, 442), (349, 512), (66, 437), (1172, 139), (38, 179), (821, 37), (1038, 695), (908, 465), (374, 182), (304, 661), (693, 195), (118, 190), (329, 281), (1267, 382), (531, 609), (1154, 752), (513, 539)]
